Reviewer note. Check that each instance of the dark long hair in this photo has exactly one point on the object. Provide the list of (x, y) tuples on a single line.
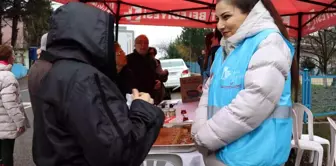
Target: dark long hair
[(246, 7)]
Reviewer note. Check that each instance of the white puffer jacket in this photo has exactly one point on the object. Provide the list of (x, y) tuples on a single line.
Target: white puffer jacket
[(12, 115), (264, 82)]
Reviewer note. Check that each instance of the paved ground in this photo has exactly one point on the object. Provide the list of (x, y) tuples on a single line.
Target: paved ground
[(23, 144)]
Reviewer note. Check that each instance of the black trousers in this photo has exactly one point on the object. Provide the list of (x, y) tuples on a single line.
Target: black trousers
[(6, 152)]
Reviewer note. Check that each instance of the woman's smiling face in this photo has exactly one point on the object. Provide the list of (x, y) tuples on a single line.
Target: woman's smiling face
[(229, 18)]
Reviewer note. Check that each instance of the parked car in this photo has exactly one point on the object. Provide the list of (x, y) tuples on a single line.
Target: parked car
[(177, 69)]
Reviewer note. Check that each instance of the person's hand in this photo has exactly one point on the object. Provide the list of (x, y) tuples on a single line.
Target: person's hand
[(21, 130), (38, 51), (142, 96), (157, 85)]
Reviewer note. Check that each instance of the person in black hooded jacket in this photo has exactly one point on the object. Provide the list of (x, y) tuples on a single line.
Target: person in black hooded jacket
[(125, 77), (80, 116)]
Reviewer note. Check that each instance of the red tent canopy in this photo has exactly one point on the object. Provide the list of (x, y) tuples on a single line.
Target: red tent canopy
[(301, 16), (313, 14)]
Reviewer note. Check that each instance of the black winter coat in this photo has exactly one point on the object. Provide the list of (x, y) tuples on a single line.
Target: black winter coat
[(81, 118), (144, 70), (125, 81)]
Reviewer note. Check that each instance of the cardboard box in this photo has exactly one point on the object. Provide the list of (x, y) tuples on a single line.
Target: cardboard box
[(189, 92)]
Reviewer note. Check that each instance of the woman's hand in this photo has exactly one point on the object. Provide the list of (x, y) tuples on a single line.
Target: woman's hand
[(21, 130)]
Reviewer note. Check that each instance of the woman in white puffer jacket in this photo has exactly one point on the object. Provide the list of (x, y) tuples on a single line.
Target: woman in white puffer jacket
[(13, 119), (244, 115)]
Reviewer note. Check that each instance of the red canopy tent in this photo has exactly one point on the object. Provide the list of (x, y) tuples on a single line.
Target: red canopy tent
[(301, 16)]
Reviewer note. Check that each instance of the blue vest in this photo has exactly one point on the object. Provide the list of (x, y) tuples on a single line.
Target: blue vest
[(269, 144)]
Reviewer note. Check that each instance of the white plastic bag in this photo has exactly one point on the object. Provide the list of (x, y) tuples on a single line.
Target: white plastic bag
[(129, 99)]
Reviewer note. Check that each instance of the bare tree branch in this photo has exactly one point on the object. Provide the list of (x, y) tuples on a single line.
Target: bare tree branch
[(163, 46), (322, 47), (312, 58), (310, 52)]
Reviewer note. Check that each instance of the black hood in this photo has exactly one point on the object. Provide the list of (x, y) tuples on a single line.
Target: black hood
[(83, 33)]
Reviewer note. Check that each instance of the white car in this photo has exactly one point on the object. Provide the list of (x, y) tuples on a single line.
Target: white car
[(177, 69)]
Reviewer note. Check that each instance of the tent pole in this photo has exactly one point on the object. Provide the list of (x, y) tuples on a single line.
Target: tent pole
[(117, 21), (298, 44)]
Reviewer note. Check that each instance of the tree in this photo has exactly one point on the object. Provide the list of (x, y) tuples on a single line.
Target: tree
[(163, 47), (174, 50), (183, 50), (187, 46), (307, 63), (34, 14), (321, 47), (193, 39), (14, 11), (3, 9), (170, 50), (36, 20)]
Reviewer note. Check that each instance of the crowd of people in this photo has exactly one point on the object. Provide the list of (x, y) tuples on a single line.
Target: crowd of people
[(78, 90)]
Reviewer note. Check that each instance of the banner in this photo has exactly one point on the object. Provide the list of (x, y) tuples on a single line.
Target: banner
[(177, 12)]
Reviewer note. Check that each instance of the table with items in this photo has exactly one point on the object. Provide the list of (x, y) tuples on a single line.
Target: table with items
[(174, 145)]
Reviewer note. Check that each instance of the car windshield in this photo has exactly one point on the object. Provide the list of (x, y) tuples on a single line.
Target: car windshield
[(166, 64)]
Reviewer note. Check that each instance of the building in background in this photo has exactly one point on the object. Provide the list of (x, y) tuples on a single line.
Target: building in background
[(21, 55), (7, 33), (126, 39)]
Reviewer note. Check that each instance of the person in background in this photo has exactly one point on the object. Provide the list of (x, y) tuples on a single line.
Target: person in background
[(38, 70), (43, 46), (244, 115), (207, 58), (212, 41), (201, 64), (200, 61), (125, 77), (163, 74), (143, 67), (81, 118), (13, 120), (160, 94)]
